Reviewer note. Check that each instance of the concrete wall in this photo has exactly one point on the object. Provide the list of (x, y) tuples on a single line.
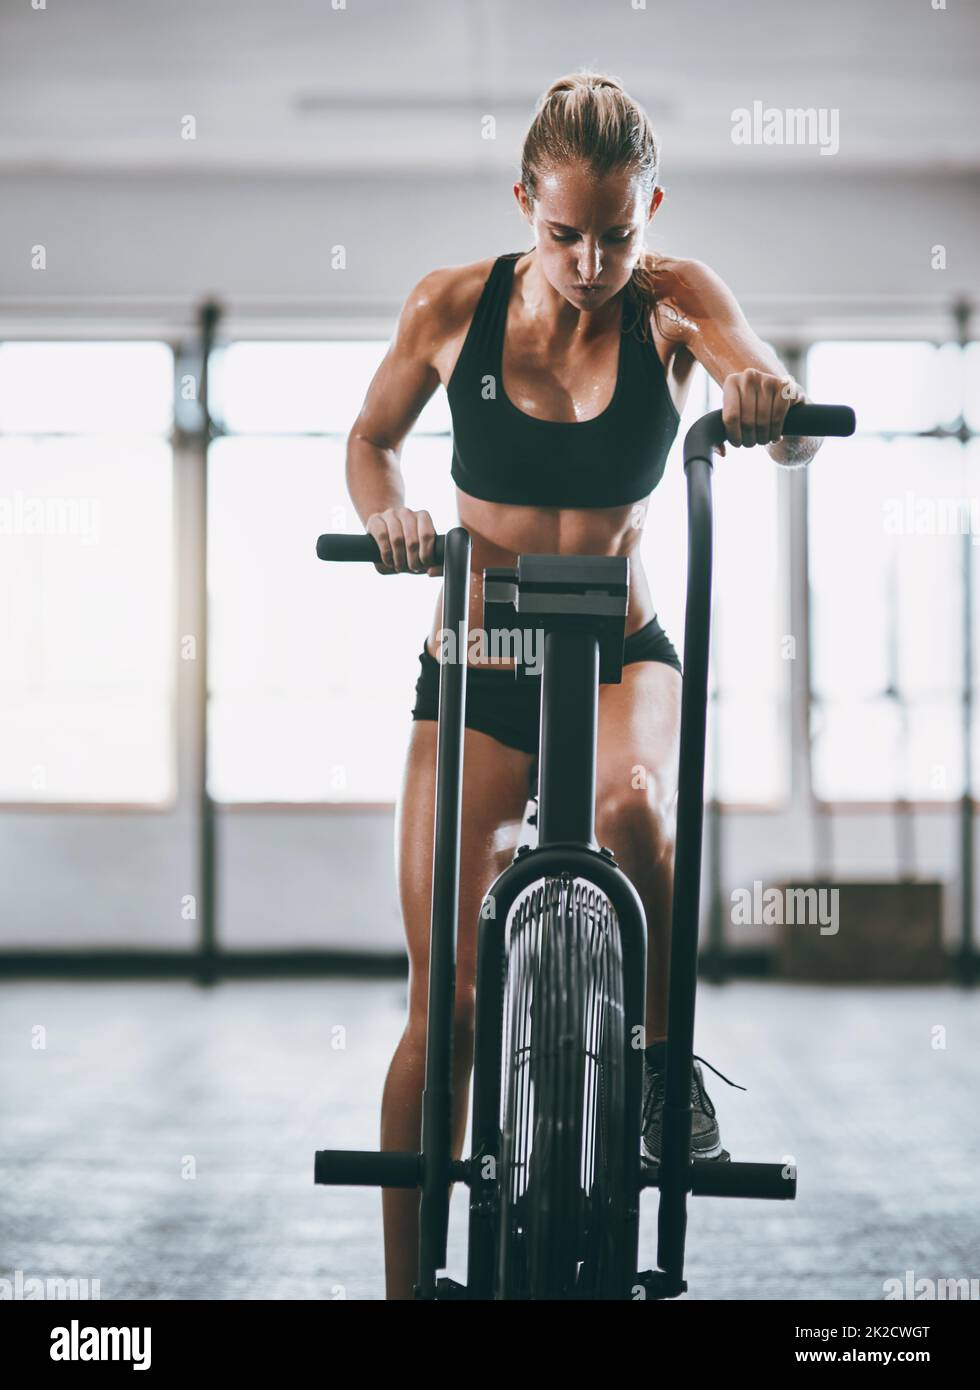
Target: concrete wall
[(792, 237)]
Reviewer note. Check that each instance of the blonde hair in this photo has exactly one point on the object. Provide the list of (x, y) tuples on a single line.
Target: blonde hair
[(588, 118)]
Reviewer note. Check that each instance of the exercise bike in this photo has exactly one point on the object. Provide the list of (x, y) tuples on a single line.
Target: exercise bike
[(555, 1174)]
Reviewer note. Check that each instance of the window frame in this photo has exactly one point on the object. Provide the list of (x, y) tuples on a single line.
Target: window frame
[(174, 441), (833, 806)]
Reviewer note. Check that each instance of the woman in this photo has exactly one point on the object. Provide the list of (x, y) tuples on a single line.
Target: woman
[(566, 370)]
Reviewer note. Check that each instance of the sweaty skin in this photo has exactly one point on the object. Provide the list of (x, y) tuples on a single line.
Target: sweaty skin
[(561, 349), (589, 351)]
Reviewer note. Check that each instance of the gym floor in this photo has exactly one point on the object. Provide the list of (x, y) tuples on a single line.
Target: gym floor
[(160, 1138)]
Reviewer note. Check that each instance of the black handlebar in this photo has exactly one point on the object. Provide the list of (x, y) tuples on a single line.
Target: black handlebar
[(703, 436), (708, 432), (340, 546)]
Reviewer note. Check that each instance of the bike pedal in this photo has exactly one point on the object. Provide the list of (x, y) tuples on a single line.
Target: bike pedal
[(657, 1284), (449, 1288)]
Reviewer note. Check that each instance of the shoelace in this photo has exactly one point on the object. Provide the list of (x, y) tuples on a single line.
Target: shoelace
[(718, 1073), (658, 1084)]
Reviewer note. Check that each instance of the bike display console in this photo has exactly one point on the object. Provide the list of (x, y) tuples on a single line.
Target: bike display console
[(564, 593)]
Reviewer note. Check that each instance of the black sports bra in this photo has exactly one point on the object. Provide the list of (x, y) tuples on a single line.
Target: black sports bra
[(502, 454)]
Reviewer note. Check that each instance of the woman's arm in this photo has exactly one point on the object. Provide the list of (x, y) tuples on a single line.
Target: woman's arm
[(757, 389), (399, 389)]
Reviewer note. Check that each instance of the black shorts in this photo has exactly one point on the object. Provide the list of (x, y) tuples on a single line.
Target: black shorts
[(507, 706)]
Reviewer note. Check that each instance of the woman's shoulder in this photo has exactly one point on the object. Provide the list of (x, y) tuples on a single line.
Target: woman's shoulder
[(450, 294), (689, 287), (438, 309)]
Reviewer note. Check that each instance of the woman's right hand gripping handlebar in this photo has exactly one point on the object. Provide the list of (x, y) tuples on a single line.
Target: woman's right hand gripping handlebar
[(405, 539)]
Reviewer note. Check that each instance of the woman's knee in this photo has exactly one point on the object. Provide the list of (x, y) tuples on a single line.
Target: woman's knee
[(640, 816)]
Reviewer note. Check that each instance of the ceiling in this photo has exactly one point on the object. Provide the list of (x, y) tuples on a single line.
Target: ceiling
[(298, 86)]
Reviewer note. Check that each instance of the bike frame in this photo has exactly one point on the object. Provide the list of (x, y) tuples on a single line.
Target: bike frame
[(582, 646), (580, 604)]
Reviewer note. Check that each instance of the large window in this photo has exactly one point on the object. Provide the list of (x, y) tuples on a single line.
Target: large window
[(86, 623), (313, 666), (747, 756), (890, 536)]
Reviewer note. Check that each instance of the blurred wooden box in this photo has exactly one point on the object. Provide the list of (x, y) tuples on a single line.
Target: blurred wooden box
[(886, 932)]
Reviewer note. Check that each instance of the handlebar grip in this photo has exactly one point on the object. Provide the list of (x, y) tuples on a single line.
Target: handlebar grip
[(354, 1168), (709, 431), (345, 547), (341, 546), (836, 420)]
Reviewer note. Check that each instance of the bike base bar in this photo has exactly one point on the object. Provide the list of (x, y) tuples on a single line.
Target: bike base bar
[(709, 1178), (394, 1168), (370, 1168), (654, 1283)]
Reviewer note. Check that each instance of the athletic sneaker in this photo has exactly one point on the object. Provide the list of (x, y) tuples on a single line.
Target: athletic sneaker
[(705, 1139)]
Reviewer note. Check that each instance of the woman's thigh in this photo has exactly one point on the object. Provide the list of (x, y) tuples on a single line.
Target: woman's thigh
[(495, 792), (638, 745)]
